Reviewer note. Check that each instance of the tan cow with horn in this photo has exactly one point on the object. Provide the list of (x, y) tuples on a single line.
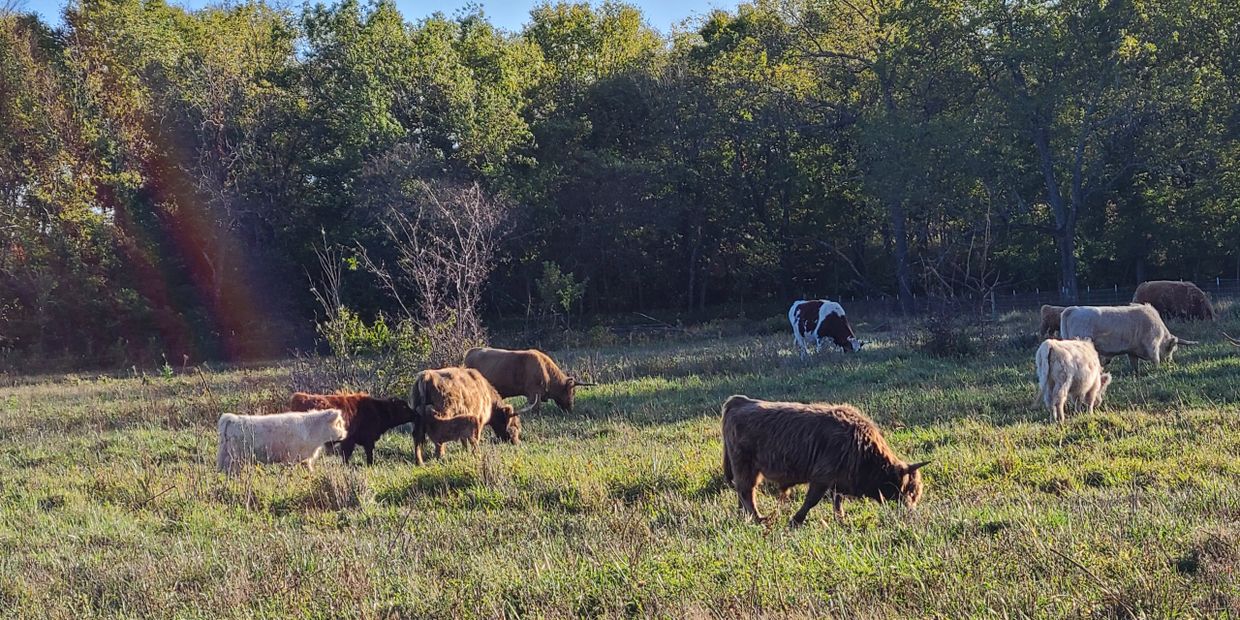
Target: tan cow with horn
[(529, 373)]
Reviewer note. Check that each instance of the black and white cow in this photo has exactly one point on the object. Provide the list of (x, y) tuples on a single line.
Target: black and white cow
[(816, 320)]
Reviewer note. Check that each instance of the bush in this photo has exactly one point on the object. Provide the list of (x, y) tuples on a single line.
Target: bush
[(947, 336)]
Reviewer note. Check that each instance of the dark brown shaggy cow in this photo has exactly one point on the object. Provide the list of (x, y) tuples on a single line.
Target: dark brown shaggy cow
[(366, 418), (834, 448), (1050, 320), (1175, 300), (529, 373), (453, 404)]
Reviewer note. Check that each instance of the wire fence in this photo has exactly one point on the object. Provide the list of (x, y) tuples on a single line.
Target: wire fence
[(1000, 302)]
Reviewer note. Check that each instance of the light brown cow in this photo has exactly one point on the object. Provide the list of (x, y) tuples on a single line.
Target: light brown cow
[(529, 373), (1175, 300), (1070, 368), (834, 448), (453, 404), (1050, 320)]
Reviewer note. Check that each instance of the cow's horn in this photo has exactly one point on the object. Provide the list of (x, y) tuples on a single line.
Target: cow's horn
[(1233, 341), (527, 408), (916, 466), (579, 384), (1187, 343)]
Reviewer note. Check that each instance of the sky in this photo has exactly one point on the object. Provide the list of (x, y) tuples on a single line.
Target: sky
[(510, 15)]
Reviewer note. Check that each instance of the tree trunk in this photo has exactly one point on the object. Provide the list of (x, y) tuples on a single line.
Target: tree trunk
[(904, 287), (1065, 215), (693, 260), (1065, 241)]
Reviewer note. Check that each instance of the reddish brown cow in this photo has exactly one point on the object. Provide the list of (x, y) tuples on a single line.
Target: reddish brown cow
[(529, 373), (453, 404), (834, 448), (346, 402), (1175, 300), (366, 418)]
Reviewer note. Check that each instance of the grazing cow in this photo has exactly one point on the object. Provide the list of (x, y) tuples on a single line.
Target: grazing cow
[(1070, 368), (453, 404), (818, 319), (834, 448), (1050, 320), (1175, 300), (366, 418), (294, 437), (1135, 330), (529, 373)]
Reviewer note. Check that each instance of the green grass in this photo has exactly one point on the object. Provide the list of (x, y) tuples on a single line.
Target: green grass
[(110, 505)]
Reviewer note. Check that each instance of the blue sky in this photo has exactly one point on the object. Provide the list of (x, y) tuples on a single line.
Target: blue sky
[(509, 15)]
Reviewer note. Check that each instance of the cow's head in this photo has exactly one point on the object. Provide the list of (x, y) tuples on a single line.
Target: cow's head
[(835, 326), (563, 394), (333, 425), (1170, 345), (903, 483), (506, 423)]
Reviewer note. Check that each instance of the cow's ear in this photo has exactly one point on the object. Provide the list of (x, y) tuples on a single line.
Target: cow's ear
[(572, 381)]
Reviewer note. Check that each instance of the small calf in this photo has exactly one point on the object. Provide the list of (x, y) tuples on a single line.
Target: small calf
[(1070, 368), (294, 437)]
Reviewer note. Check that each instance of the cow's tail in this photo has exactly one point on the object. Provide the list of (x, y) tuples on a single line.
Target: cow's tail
[(222, 460), (1044, 371), (728, 405)]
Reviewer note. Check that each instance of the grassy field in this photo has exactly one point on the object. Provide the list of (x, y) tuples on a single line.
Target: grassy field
[(110, 505)]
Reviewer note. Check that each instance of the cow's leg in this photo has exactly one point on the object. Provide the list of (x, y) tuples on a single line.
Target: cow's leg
[(370, 452), (839, 507), (746, 481), (417, 453), (346, 450), (439, 448), (812, 497), (1059, 399), (1132, 360)]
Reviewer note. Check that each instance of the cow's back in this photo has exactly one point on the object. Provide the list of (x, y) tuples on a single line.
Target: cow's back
[(792, 443), (1135, 329), (512, 373)]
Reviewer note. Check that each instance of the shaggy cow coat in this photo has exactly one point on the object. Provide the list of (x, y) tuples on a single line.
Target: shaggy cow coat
[(295, 437), (833, 448), (1050, 320), (1175, 300), (529, 373), (453, 404), (1070, 369), (1135, 330)]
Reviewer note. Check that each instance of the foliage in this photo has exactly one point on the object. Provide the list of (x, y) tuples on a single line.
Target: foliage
[(559, 291), (166, 174)]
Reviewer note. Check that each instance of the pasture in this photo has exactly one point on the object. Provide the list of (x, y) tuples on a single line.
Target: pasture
[(110, 505)]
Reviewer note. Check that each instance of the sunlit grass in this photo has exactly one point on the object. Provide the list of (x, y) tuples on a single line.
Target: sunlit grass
[(110, 505)]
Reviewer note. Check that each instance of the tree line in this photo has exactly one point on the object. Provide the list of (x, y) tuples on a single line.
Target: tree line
[(168, 177)]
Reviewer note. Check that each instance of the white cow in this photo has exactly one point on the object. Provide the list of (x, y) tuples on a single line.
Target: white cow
[(1070, 368), (296, 437), (1135, 330)]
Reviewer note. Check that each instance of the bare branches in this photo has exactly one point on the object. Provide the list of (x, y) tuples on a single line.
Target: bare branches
[(445, 238)]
